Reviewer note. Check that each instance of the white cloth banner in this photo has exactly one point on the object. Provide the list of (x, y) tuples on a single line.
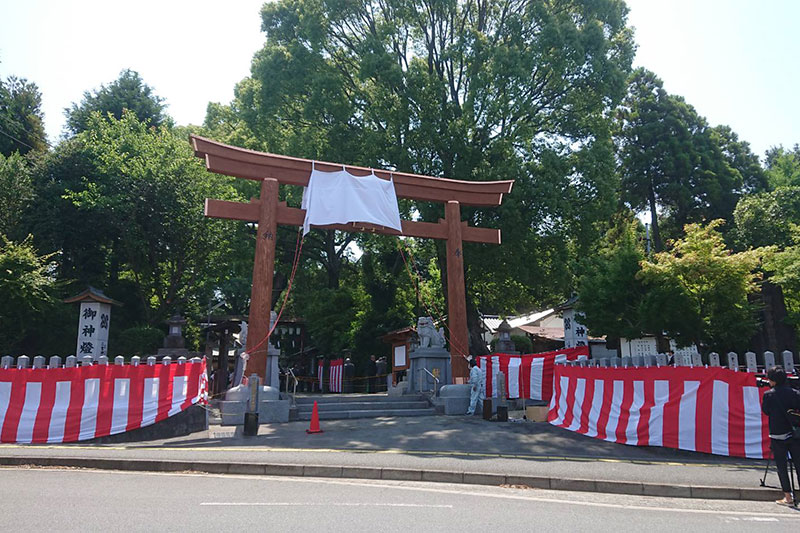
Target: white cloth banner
[(340, 197)]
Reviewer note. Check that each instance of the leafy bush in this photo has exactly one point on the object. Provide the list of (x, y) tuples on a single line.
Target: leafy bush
[(522, 344), (139, 340)]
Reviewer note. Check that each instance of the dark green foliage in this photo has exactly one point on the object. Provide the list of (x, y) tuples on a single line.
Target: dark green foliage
[(138, 340), (21, 123), (122, 204), (16, 194), (674, 164), (767, 219), (698, 290), (610, 294), (522, 343), (783, 166), (468, 90), (26, 291), (127, 92)]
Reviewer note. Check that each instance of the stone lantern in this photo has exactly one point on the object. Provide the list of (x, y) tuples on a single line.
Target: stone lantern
[(174, 343), (93, 323), (504, 342)]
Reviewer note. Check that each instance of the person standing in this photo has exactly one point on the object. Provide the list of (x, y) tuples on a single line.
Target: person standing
[(349, 374), (380, 367), (776, 404), (372, 370), (475, 379)]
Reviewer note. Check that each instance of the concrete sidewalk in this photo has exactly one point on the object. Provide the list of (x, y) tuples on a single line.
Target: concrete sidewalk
[(435, 448)]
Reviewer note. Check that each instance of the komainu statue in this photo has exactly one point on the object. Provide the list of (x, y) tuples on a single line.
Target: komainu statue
[(429, 337)]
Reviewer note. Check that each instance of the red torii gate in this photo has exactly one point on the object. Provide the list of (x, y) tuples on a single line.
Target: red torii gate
[(272, 170)]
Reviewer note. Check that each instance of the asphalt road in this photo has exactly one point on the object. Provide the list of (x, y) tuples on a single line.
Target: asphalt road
[(88, 500)]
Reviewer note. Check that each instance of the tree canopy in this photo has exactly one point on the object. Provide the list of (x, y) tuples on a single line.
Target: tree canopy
[(674, 164), (129, 92), (26, 290), (539, 92), (610, 292), (700, 289), (16, 193), (21, 119), (470, 90)]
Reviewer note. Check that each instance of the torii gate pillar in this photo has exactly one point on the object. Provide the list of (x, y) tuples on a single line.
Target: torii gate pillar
[(456, 293), (261, 292)]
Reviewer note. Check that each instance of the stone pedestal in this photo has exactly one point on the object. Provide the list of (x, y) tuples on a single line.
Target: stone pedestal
[(273, 373), (273, 376), (436, 361), (399, 389), (270, 407), (455, 399)]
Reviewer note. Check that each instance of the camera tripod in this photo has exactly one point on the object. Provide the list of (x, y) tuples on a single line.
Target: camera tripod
[(763, 480)]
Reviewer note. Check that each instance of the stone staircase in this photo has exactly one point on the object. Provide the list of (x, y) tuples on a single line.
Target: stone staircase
[(339, 406)]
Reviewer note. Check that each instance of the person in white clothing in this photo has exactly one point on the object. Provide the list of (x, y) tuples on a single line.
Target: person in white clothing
[(475, 381)]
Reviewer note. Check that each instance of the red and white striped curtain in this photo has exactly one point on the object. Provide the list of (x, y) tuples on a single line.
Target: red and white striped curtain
[(335, 372), (527, 376), (710, 410), (72, 404)]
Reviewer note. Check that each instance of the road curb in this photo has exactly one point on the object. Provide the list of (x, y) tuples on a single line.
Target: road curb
[(437, 476)]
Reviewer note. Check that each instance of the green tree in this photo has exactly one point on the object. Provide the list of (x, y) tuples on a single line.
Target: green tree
[(83, 239), (700, 290), (674, 164), (150, 190), (466, 89), (610, 293), (122, 204), (16, 193), (766, 219), (129, 92), (26, 291), (21, 122), (783, 166), (772, 220), (784, 269)]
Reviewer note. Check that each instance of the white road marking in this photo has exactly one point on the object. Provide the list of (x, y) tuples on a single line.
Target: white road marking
[(332, 504)]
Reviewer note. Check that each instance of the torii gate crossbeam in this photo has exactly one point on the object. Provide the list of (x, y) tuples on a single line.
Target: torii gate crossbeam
[(268, 212)]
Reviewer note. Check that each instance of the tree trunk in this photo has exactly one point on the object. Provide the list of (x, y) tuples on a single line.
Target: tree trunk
[(775, 334), (651, 198), (333, 264), (477, 346)]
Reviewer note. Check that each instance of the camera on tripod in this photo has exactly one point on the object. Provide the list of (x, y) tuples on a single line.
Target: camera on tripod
[(762, 382), (792, 381)]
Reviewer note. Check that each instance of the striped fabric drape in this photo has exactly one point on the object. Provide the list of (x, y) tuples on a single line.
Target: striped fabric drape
[(335, 368), (527, 376), (710, 410), (72, 404)]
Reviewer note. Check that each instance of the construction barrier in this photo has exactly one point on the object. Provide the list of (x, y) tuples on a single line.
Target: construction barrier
[(711, 410), (78, 403), (527, 376)]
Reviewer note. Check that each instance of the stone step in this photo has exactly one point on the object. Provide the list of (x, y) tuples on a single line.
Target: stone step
[(362, 406), (356, 398), (372, 413)]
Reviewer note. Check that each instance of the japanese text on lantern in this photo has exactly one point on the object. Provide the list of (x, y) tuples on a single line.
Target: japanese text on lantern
[(93, 326)]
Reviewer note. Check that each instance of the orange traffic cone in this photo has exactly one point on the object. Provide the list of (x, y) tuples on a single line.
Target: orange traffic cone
[(314, 427)]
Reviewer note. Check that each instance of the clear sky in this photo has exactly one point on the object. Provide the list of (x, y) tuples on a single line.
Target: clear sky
[(735, 61)]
